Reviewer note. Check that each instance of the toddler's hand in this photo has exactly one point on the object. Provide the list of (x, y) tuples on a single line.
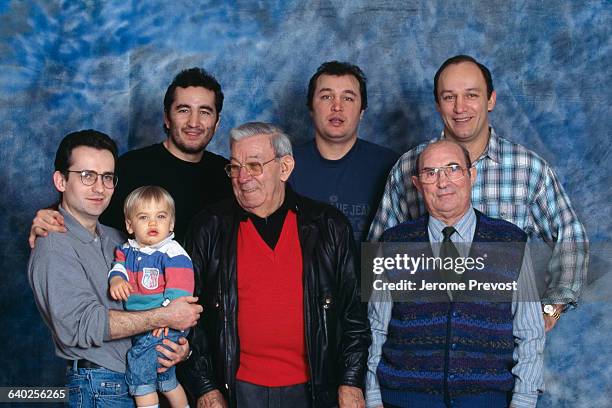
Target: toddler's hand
[(158, 332), (120, 289)]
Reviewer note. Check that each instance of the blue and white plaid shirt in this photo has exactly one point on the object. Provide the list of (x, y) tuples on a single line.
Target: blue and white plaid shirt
[(517, 185)]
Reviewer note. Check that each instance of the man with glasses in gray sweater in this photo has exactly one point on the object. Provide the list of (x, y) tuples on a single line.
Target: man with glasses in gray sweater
[(68, 275)]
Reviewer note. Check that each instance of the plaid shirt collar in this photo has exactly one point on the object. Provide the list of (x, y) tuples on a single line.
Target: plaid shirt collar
[(493, 149)]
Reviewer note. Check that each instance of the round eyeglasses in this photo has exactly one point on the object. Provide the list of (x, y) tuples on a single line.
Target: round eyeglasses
[(89, 178)]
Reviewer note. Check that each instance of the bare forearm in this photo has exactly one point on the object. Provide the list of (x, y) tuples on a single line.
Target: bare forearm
[(127, 324), (181, 314)]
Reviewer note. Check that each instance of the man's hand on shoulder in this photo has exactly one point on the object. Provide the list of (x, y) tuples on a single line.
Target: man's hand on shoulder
[(350, 397), (45, 221), (212, 399)]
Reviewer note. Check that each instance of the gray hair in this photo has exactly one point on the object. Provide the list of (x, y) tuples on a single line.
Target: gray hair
[(281, 142)]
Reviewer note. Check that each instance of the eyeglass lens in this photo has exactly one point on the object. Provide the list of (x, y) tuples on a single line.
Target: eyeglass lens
[(89, 178), (452, 173), (254, 169)]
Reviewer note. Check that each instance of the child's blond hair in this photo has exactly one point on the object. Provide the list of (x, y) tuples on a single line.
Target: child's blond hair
[(147, 194)]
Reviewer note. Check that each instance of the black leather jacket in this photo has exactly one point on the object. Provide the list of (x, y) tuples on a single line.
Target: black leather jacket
[(336, 324)]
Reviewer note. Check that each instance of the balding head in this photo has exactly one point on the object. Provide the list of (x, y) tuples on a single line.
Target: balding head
[(445, 179)]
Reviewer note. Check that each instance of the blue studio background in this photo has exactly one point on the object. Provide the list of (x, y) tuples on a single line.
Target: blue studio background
[(68, 65)]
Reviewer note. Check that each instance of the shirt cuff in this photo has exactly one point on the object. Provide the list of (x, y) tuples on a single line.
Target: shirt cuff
[(520, 400), (373, 399), (560, 295)]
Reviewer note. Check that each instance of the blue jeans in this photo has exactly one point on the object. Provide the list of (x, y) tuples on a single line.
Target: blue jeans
[(141, 374), (97, 388)]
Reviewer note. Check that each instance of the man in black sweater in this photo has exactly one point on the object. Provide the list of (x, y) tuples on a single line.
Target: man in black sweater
[(180, 164)]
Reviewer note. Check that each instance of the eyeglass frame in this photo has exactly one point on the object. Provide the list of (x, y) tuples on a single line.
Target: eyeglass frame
[(82, 173), (228, 167), (445, 169)]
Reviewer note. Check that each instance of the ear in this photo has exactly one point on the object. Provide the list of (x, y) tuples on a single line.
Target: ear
[(417, 184), (59, 180), (128, 226), (473, 174), (361, 114), (491, 101), (172, 225), (287, 164), (166, 120), (217, 123)]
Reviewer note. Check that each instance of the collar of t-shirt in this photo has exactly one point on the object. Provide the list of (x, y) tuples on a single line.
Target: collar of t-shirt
[(270, 227), (337, 162)]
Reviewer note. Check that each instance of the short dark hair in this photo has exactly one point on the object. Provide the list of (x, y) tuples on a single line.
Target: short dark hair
[(337, 68), (464, 58), (87, 137), (197, 77)]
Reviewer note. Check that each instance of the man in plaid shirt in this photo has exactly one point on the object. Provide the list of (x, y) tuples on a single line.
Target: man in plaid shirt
[(513, 182)]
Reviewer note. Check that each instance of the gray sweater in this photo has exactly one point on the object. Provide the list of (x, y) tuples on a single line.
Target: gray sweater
[(68, 275)]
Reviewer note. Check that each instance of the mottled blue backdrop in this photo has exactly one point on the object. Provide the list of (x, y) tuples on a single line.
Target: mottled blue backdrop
[(67, 65)]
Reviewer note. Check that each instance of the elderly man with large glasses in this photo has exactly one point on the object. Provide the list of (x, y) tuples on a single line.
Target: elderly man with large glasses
[(253, 168), (446, 348), (276, 274)]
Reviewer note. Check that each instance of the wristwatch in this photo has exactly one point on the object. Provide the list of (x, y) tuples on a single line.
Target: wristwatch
[(550, 310)]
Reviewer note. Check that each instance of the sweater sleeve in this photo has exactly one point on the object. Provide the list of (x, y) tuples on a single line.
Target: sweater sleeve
[(118, 268)]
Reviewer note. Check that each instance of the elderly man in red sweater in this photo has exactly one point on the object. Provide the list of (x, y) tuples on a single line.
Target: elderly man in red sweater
[(283, 323)]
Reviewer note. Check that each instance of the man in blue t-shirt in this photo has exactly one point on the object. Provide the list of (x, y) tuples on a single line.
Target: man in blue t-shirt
[(336, 166)]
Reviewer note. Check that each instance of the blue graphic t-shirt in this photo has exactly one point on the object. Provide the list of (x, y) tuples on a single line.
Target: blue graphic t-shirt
[(353, 184)]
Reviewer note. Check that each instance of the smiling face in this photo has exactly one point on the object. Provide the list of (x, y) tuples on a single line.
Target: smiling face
[(336, 108), (262, 194), (463, 103), (151, 222), (85, 203), (191, 121), (445, 200)]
